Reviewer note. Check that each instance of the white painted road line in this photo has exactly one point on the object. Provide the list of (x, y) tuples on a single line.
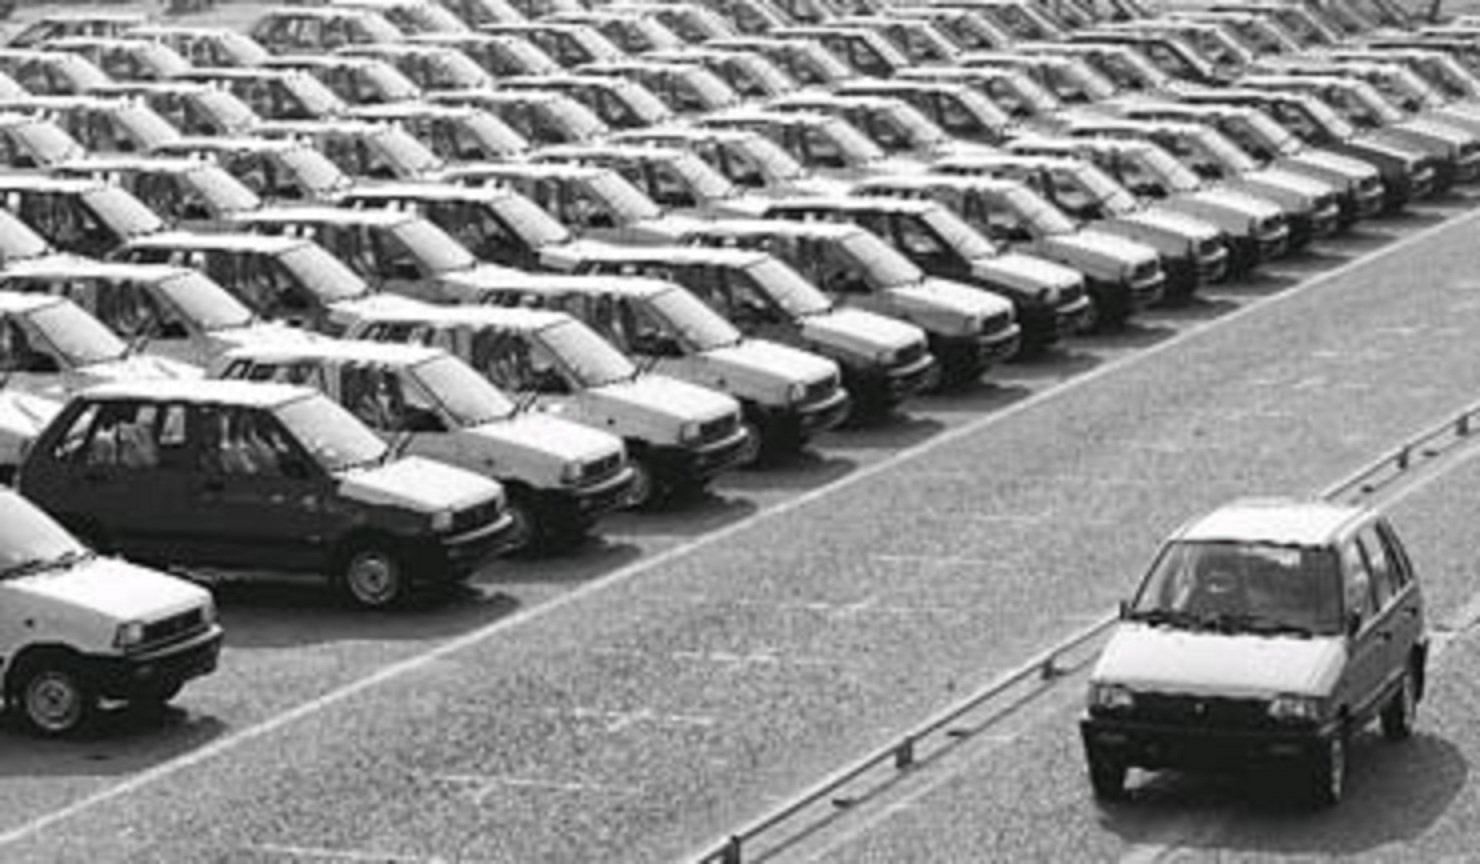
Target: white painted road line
[(232, 741)]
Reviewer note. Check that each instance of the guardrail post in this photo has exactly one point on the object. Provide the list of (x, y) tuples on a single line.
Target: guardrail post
[(731, 852), (1050, 669), (1404, 456), (1462, 426), (904, 754)]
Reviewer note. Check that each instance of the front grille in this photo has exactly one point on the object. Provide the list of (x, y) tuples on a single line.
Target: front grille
[(174, 628), (1071, 293), (820, 390), (1208, 248), (600, 469), (476, 517), (997, 323), (1370, 184), (1208, 712), (910, 354), (1145, 271), (1271, 226), (718, 430), (1325, 202)]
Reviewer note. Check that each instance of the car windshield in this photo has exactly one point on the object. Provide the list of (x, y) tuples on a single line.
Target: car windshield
[(763, 72), (125, 214), (535, 226), (146, 127), (1271, 133), (495, 135), (704, 180), (624, 199), (1035, 95), (1326, 117), (323, 274), (49, 142), (163, 59), (856, 148), (591, 360), (577, 121), (334, 437), (84, 74), (1374, 102), (697, 324), (207, 304), (400, 147), (228, 109), (883, 266), (529, 58), (469, 398), (78, 337), (644, 103), (908, 120), (457, 71), (1105, 190), (1404, 81), (30, 539), (314, 169), (1161, 164), (966, 240), (318, 100), (245, 50), (225, 193), (778, 164), (378, 29), (711, 89), (18, 242), (433, 247), (1037, 210), (389, 82), (1236, 586), (787, 288), (1448, 73)]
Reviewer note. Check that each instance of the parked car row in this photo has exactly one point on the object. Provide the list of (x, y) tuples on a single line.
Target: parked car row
[(384, 287)]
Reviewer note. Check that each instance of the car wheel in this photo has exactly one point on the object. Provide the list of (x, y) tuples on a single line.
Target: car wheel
[(55, 698), (1398, 716), (527, 534), (755, 449), (1328, 772), (644, 490), (1107, 777), (373, 577)]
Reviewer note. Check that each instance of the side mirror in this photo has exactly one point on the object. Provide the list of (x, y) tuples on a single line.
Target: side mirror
[(173, 330), (600, 220), (1018, 234), (1208, 171), (1149, 189), (195, 210)]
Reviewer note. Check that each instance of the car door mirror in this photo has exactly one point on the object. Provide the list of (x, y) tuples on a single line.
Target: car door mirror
[(550, 381), (600, 219), (195, 211)]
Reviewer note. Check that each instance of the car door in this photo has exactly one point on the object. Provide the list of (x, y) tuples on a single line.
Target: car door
[(1396, 615), (1361, 683), (127, 472), (257, 499)]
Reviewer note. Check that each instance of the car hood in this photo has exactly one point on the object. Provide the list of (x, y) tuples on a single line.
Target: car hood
[(859, 331), (548, 436), (22, 417), (419, 484), (762, 359), (1144, 657), (1259, 208), (346, 312), (662, 395), (1026, 272), (1104, 246), (947, 295), (1334, 162), (262, 333), (113, 588), (1173, 222)]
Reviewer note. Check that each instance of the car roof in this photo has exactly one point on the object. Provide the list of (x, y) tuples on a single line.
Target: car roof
[(776, 227), (516, 318), (78, 267), (859, 204), (353, 350), (558, 170), (231, 143), (253, 394), (44, 183), (316, 213), (674, 254), (24, 301), (1287, 521), (633, 286), (421, 190), (134, 161), (925, 182), (225, 241)]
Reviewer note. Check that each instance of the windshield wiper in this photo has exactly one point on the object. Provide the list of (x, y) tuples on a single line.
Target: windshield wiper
[(526, 401), (38, 565), (1247, 622), (1172, 617)]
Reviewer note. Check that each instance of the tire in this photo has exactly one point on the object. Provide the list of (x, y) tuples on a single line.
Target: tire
[(1106, 777), (530, 534), (644, 491), (1399, 714), (756, 450), (1328, 773), (373, 576), (55, 698)]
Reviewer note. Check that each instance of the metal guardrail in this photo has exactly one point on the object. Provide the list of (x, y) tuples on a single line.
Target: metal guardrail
[(902, 752)]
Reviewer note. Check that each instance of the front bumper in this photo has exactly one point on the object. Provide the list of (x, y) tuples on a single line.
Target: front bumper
[(1163, 745), (454, 556), (128, 676), (970, 355), (688, 466), (890, 385)]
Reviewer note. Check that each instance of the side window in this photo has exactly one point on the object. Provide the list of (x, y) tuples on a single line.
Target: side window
[(504, 359), (244, 442), (18, 353), (1402, 568), (1068, 194), (1356, 581), (822, 151), (125, 436), (1385, 584), (956, 118), (917, 240), (130, 311), (72, 444), (372, 394), (670, 189)]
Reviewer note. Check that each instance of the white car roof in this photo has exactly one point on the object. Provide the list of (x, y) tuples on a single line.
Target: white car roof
[(256, 394), (355, 350), (1283, 521)]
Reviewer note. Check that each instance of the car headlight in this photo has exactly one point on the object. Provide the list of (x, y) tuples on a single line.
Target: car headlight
[(1290, 706), (130, 634), (442, 520), (208, 612), (796, 391), (1044, 295), (1111, 697), (571, 473), (688, 432), (884, 357)]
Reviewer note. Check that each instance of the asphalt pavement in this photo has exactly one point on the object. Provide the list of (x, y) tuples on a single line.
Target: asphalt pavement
[(641, 697)]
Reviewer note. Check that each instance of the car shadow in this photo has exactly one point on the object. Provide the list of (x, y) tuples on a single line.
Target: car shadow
[(688, 516), (1137, 333), (798, 472), (899, 431), (1394, 793), (122, 740), (977, 400)]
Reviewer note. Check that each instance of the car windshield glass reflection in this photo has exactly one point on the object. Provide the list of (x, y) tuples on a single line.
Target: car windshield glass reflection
[(468, 397), (79, 338), (1251, 587), (30, 541), (335, 438), (590, 359)]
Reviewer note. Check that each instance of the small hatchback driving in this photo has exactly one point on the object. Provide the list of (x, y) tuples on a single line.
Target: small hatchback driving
[(1266, 634)]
